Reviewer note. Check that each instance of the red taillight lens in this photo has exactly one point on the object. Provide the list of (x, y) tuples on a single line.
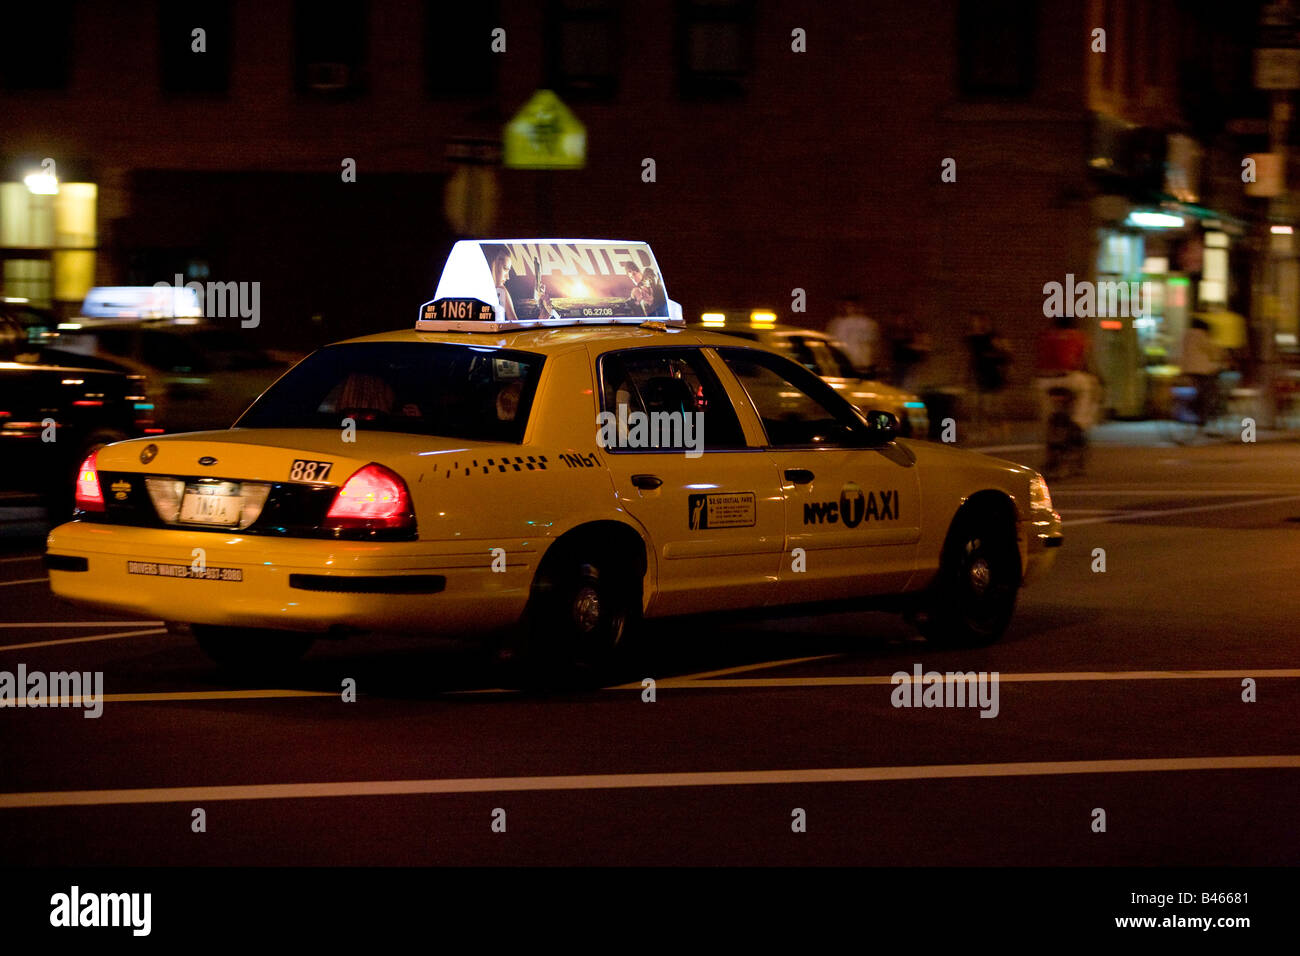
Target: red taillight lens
[(88, 496), (373, 498)]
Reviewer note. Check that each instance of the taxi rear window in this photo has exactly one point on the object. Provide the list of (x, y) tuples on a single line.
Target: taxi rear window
[(456, 391)]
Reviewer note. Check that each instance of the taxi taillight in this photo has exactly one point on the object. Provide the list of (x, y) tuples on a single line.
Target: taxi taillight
[(88, 495), (374, 498)]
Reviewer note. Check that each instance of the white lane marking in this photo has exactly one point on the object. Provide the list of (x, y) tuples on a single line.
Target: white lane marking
[(34, 625), (761, 665), (698, 682), (1166, 492), (499, 690), (29, 557), (9, 584), (622, 781), (1132, 515), (678, 683), (82, 640), (69, 701)]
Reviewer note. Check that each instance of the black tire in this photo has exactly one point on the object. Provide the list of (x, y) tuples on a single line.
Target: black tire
[(973, 597), (578, 628), (250, 651)]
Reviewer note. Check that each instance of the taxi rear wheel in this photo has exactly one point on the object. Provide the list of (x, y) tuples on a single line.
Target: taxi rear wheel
[(581, 618), (251, 651), (974, 595)]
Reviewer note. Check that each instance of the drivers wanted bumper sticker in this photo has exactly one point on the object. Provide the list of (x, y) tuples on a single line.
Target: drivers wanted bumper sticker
[(184, 571)]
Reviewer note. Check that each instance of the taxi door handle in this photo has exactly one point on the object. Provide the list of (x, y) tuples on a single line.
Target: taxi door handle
[(800, 476), (647, 482)]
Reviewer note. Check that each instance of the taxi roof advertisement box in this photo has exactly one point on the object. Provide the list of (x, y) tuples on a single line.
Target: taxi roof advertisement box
[(551, 282)]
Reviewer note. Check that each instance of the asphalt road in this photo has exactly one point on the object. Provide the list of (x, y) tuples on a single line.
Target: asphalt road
[(1120, 691)]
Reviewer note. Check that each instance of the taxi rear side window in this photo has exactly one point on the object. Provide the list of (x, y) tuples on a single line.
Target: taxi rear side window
[(482, 394)]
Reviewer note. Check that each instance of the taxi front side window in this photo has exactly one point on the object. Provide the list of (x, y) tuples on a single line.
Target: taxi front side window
[(797, 408), (482, 394), (676, 381)]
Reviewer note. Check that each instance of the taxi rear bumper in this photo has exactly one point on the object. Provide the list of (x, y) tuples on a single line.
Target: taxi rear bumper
[(233, 580)]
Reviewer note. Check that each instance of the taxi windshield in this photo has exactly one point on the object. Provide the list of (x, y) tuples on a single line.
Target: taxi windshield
[(456, 391)]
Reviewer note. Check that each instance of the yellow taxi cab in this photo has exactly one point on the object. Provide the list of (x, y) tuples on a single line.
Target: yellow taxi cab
[(552, 455), (823, 355)]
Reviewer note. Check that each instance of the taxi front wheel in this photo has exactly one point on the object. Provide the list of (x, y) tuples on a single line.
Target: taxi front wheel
[(250, 651), (974, 595)]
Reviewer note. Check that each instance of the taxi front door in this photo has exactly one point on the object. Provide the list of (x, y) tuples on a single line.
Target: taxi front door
[(853, 513)]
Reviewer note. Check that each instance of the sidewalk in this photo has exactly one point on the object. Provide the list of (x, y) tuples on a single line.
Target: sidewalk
[(1024, 435)]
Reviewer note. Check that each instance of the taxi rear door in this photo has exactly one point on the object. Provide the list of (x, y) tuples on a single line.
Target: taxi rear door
[(711, 505), (853, 513)]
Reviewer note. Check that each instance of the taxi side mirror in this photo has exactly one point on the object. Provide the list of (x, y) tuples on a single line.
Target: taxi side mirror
[(882, 427)]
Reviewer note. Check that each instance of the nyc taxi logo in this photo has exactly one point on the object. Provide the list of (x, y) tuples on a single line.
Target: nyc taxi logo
[(853, 508)]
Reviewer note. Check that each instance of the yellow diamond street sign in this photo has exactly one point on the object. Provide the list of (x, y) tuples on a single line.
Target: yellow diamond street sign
[(545, 135)]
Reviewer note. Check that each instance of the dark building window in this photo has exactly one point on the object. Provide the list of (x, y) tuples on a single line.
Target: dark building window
[(584, 47), (997, 47), (37, 49), (185, 70), (458, 55), (330, 41), (715, 44)]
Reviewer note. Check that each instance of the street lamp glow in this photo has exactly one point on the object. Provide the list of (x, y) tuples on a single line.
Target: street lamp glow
[(1155, 220), (42, 184)]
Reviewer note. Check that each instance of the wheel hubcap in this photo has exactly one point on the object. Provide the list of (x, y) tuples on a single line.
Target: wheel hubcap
[(586, 609), (980, 575)]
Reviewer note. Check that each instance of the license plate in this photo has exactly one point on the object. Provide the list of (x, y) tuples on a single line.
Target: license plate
[(198, 507)]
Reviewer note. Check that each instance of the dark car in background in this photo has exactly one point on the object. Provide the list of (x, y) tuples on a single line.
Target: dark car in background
[(53, 415), (201, 374)]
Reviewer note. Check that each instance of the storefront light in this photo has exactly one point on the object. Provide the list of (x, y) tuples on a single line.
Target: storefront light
[(1280, 230), (1154, 220)]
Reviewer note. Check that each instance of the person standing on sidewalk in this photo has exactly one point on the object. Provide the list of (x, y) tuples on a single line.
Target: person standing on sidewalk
[(989, 363), (1202, 360), (858, 333), (907, 348)]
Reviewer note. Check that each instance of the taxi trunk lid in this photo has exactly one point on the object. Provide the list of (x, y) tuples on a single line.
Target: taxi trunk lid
[(255, 481)]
